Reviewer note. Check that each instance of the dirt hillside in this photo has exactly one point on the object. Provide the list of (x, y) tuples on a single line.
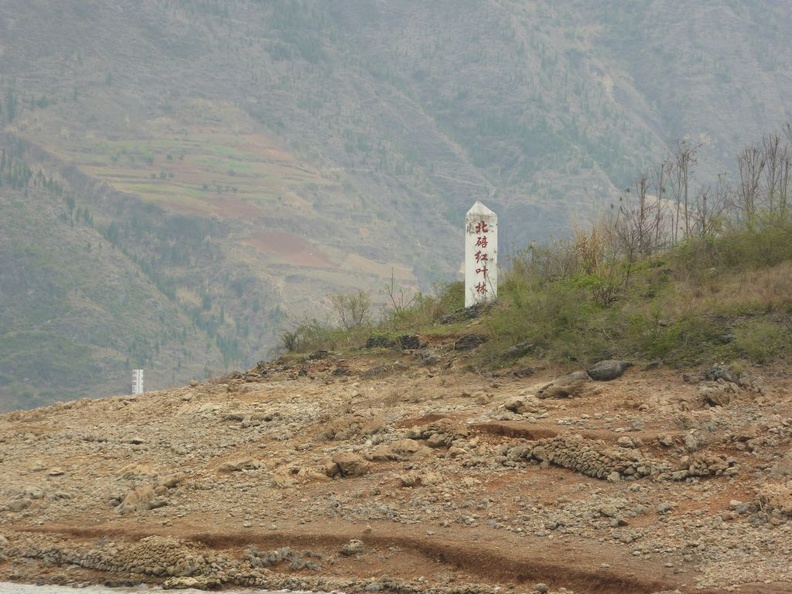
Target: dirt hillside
[(404, 471)]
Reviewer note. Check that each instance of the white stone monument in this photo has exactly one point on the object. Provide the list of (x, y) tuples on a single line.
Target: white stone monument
[(481, 255), (137, 381)]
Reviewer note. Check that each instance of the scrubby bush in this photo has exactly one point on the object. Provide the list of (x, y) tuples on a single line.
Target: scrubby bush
[(675, 272), (424, 310)]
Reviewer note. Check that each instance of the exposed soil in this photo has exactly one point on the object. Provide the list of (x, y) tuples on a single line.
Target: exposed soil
[(405, 471), (291, 248)]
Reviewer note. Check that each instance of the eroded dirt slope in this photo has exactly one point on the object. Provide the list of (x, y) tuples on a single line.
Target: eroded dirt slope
[(404, 471)]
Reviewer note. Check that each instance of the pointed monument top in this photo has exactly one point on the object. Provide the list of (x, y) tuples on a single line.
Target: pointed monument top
[(479, 209)]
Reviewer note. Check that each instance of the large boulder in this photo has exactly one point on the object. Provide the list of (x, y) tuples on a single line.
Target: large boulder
[(782, 467), (440, 433), (141, 499), (717, 393), (468, 342), (192, 583), (17, 505), (347, 464), (604, 371), (522, 405), (240, 465), (566, 386), (402, 449)]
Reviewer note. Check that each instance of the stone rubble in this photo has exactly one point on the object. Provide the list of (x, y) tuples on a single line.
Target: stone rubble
[(294, 476)]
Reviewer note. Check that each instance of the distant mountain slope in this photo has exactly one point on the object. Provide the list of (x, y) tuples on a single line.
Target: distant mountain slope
[(77, 314), (248, 158)]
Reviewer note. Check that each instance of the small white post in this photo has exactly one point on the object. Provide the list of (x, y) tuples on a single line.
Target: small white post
[(137, 381), (481, 255)]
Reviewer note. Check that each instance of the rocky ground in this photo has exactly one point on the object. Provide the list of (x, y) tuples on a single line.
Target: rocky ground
[(405, 471)]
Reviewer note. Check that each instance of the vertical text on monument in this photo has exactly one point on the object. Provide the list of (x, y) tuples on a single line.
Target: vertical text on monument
[(481, 255)]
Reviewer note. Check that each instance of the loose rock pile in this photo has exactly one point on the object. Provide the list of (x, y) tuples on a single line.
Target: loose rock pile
[(589, 457), (297, 476)]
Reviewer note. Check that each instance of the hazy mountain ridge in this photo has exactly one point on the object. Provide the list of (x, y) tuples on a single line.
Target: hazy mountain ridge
[(77, 312), (286, 150)]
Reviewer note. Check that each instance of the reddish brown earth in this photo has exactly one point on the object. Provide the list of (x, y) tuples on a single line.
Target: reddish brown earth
[(291, 248), (406, 471)]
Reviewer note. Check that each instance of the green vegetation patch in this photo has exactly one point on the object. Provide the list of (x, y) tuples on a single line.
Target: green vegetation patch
[(763, 340), (44, 358)]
